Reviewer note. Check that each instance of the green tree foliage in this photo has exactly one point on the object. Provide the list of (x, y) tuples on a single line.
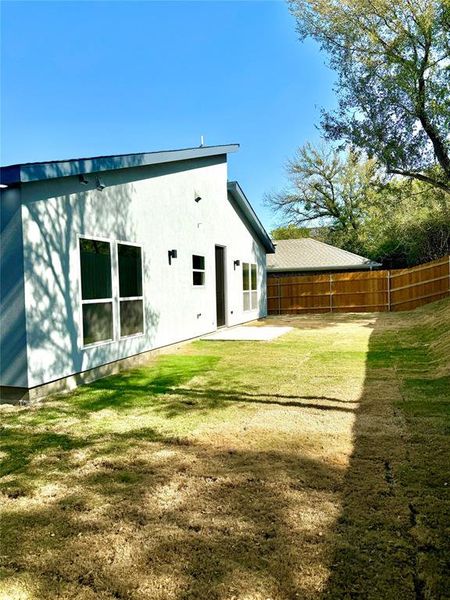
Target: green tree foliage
[(290, 232), (325, 189), (407, 224), (399, 223), (393, 66)]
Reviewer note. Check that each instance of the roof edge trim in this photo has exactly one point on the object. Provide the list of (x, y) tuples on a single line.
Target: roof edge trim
[(28, 172), (364, 266), (241, 199)]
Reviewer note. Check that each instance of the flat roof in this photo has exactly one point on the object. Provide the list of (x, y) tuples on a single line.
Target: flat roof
[(39, 171)]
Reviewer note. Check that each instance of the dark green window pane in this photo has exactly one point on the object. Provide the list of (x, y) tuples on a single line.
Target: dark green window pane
[(130, 270), (198, 278), (245, 276), (97, 322), (95, 269), (254, 278), (131, 317), (198, 262)]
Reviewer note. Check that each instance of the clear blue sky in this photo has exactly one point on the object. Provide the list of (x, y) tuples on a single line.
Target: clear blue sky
[(93, 78)]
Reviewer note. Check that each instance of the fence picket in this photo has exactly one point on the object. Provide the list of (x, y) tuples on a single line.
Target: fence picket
[(360, 291)]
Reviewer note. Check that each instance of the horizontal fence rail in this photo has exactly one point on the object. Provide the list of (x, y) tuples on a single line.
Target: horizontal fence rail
[(374, 291)]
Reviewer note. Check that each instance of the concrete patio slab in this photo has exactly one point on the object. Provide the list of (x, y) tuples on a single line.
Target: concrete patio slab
[(244, 333)]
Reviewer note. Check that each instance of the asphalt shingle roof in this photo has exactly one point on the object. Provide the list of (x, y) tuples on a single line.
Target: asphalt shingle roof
[(308, 254)]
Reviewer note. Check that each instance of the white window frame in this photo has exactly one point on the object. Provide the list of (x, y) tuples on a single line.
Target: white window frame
[(110, 241), (120, 299), (250, 290), (202, 285)]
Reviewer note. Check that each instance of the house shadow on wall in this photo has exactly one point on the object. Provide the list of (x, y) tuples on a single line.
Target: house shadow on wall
[(51, 259)]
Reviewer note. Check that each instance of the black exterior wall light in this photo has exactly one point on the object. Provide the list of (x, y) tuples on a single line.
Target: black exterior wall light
[(172, 254)]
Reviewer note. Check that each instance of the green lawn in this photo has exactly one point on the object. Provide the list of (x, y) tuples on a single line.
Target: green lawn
[(313, 466)]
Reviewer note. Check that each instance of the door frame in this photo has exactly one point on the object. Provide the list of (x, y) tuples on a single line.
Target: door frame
[(225, 284)]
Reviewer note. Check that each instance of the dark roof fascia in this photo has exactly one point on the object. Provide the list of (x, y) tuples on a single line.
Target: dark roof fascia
[(359, 267), (241, 200), (28, 172)]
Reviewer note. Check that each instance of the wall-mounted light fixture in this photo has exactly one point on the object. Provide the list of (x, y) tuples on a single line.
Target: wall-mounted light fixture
[(197, 198), (236, 263), (99, 184), (82, 179), (172, 254)]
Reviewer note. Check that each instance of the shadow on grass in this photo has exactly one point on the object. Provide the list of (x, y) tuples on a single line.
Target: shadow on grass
[(21, 443), (139, 514), (189, 399), (140, 385), (154, 516), (391, 538)]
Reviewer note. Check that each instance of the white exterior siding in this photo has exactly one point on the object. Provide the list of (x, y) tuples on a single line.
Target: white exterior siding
[(152, 206)]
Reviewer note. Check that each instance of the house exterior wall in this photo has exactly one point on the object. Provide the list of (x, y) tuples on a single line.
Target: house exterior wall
[(13, 342), (152, 206)]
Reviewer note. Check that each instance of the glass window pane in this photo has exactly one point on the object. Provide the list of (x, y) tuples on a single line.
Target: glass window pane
[(246, 301), (97, 322), (254, 300), (130, 270), (198, 262), (254, 278), (198, 278), (95, 258), (131, 317), (245, 276)]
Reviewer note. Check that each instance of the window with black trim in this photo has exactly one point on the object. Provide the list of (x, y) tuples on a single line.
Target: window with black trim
[(131, 302), (250, 286), (96, 291), (198, 269)]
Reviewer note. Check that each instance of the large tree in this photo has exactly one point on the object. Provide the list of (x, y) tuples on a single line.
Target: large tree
[(393, 64), (326, 189), (290, 232)]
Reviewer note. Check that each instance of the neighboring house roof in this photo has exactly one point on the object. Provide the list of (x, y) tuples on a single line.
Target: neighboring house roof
[(241, 200), (38, 171), (307, 254)]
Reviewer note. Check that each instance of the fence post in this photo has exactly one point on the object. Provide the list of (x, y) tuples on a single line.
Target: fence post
[(331, 294), (279, 296), (389, 289)]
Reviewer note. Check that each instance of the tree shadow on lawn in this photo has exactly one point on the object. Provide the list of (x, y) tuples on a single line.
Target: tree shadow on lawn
[(169, 519), (139, 514), (189, 399), (391, 538), (22, 436)]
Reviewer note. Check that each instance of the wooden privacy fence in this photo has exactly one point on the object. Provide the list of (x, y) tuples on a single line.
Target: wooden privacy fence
[(389, 290)]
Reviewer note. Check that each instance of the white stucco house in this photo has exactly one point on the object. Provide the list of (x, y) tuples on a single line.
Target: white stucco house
[(107, 258)]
